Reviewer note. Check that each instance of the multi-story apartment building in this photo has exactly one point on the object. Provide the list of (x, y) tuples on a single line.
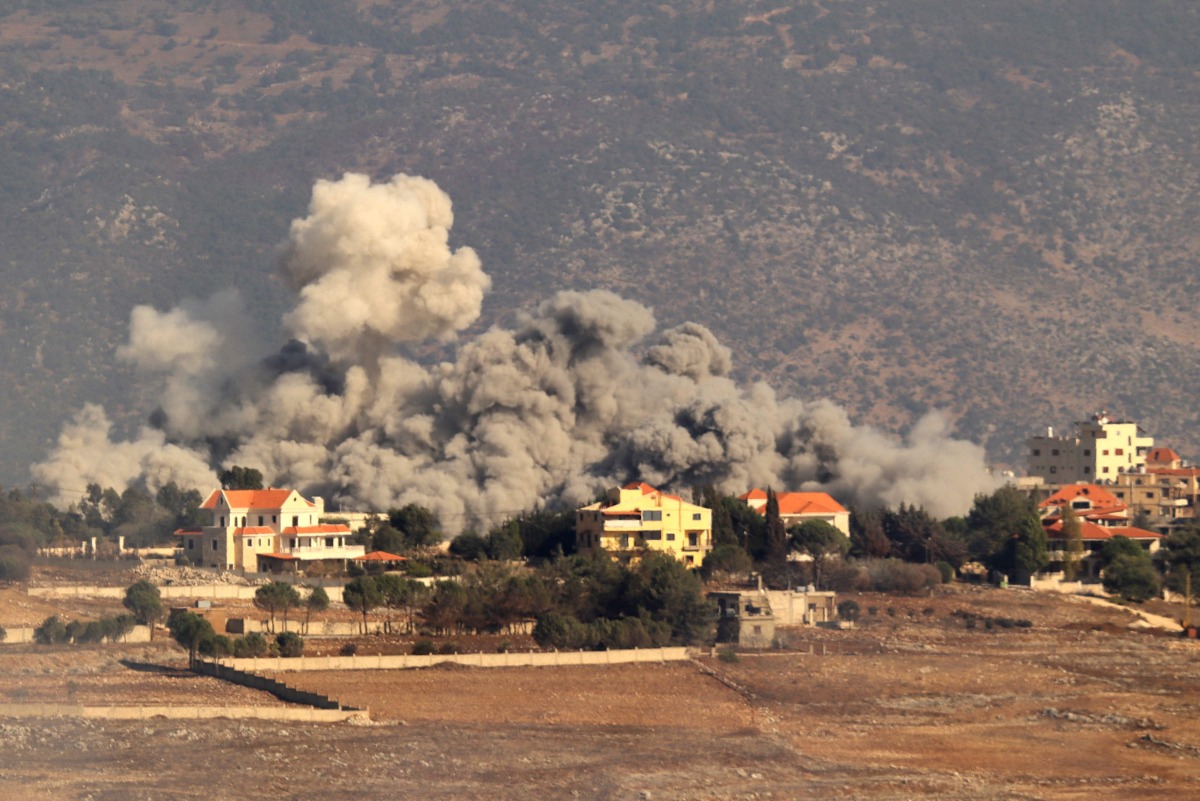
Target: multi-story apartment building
[(269, 529), (637, 518), (1100, 450)]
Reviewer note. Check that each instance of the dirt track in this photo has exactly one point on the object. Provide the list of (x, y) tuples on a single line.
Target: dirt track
[(912, 704)]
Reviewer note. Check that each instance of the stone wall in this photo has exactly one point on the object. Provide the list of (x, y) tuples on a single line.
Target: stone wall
[(403, 662)]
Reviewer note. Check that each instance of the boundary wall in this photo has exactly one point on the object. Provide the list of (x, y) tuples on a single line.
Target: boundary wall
[(175, 712), (23, 635), (167, 592), (276, 688), (410, 661)]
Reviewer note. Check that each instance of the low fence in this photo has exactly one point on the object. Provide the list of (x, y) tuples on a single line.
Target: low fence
[(482, 660), (276, 688), (175, 712), (1054, 582), (22, 635)]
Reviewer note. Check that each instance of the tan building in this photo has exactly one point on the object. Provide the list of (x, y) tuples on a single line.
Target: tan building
[(1098, 451), (271, 529), (638, 518), (1100, 515)]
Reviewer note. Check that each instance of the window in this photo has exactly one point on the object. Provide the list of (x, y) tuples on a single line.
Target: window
[(216, 545), (274, 518), (651, 515), (1105, 470), (1119, 452), (652, 535), (329, 542), (1087, 451), (191, 545), (624, 540), (671, 537), (222, 520), (1080, 505), (696, 516), (1054, 452), (1104, 452), (260, 520), (1053, 469), (1037, 451), (1087, 469), (693, 539), (295, 520)]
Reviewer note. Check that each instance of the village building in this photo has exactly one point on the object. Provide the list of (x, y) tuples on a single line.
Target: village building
[(1100, 516), (1100, 450), (637, 518), (267, 530), (801, 507)]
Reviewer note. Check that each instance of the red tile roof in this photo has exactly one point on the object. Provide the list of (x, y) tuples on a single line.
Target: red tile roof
[(797, 503), (193, 530), (1162, 455), (324, 528), (640, 485), (1098, 495), (286, 557), (251, 499), (253, 531), (380, 556), (1091, 531)]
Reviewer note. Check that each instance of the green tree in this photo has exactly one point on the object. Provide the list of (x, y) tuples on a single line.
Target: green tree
[(316, 601), (241, 478), (994, 519), (52, 631), (443, 612), (1072, 531), (504, 542), (278, 597), (420, 526), (362, 595), (730, 559), (1026, 552), (145, 602), (777, 540), (722, 520), (1119, 546), (823, 542), (470, 546), (1182, 559), (1133, 577), (194, 633)]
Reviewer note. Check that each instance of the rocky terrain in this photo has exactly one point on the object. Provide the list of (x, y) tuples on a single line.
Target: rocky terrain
[(915, 702)]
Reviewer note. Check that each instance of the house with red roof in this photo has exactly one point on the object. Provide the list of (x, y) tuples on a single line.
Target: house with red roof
[(266, 530), (800, 507), (637, 518), (1100, 516)]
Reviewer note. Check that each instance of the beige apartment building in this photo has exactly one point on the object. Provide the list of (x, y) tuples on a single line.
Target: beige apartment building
[(1099, 451)]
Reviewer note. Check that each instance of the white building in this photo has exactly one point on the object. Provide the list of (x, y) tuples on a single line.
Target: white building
[(1098, 451), (267, 529)]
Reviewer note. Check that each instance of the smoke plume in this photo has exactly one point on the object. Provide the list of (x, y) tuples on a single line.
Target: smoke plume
[(579, 395)]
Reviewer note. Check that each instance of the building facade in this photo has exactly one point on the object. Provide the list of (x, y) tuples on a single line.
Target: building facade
[(1100, 449), (261, 530), (638, 518), (800, 507)]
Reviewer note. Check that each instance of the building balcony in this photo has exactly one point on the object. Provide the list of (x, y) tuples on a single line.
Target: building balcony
[(313, 552)]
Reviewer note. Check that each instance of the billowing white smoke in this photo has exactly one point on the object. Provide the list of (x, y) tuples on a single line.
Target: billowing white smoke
[(551, 412)]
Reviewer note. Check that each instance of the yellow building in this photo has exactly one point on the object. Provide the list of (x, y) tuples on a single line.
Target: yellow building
[(637, 517)]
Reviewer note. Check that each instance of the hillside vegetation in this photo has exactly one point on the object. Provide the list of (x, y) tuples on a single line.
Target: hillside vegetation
[(984, 208)]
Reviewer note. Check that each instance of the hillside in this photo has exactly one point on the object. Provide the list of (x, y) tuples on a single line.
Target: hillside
[(987, 212)]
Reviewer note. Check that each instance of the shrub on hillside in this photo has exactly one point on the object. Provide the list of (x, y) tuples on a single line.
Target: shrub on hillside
[(290, 644)]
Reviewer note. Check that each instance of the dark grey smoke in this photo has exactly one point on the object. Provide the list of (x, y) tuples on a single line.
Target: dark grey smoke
[(580, 395)]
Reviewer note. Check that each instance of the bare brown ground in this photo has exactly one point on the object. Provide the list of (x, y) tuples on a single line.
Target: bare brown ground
[(912, 704)]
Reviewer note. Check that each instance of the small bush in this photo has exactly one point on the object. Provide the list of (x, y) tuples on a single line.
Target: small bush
[(729, 655), (51, 632), (449, 648), (422, 647), (504, 647), (252, 645), (1024, 624), (872, 610), (988, 624), (970, 622), (290, 644), (927, 611), (349, 649), (3, 634), (891, 610), (848, 610), (419, 570), (946, 570)]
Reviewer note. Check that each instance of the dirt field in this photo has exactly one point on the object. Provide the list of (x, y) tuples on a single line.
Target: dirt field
[(911, 704)]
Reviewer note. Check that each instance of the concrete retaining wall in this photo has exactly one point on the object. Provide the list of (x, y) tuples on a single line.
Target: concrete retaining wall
[(405, 662), (292, 713)]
